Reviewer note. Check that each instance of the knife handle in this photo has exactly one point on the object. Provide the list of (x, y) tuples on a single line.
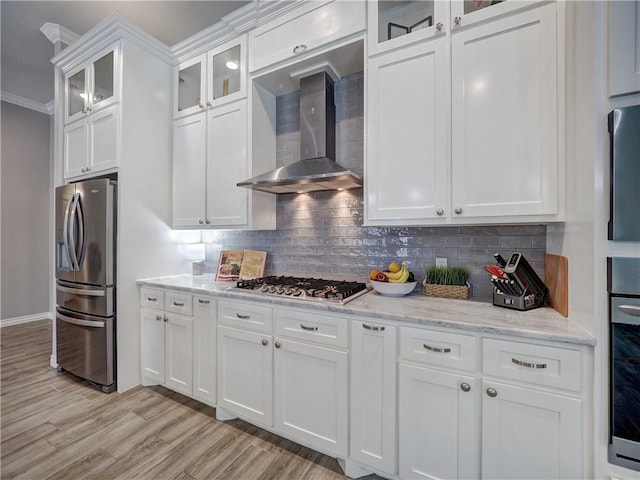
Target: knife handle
[(501, 261)]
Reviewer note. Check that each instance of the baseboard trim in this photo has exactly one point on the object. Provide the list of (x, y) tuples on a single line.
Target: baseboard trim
[(6, 322)]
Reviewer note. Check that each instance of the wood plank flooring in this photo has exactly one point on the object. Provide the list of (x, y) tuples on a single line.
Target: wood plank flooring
[(55, 426)]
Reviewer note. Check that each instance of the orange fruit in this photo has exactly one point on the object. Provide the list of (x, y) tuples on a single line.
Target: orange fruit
[(373, 274), (394, 267)]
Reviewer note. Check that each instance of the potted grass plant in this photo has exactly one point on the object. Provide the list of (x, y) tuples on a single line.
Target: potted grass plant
[(447, 282)]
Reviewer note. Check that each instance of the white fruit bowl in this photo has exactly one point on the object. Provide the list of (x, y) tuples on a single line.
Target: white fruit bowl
[(393, 289)]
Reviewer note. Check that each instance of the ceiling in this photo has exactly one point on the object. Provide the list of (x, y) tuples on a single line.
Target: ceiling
[(25, 52)]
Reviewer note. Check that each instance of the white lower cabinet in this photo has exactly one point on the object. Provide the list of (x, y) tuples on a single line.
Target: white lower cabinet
[(373, 395), (310, 395), (178, 343), (438, 421), (167, 341), (245, 374), (204, 350), (528, 433)]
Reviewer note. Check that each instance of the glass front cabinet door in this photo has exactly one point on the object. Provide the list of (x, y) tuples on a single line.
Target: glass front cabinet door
[(397, 23), (211, 79), (93, 85)]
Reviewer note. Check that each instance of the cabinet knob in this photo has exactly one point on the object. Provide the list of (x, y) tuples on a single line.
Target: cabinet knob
[(158, 317), (439, 26), (265, 342), (209, 104), (166, 319), (298, 49), (492, 392), (207, 221), (440, 211), (465, 387), (83, 170), (458, 210), (88, 108), (277, 344), (457, 20), (200, 222)]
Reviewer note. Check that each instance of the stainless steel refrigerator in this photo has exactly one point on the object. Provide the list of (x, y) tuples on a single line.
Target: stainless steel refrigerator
[(86, 280)]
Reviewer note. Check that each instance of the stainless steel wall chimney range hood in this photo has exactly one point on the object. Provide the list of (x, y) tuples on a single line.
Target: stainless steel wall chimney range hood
[(316, 170)]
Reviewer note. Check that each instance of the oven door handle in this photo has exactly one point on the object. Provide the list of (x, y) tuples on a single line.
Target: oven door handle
[(77, 321), (632, 310)]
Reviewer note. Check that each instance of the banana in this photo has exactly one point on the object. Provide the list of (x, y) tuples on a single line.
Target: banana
[(393, 277), (404, 276)]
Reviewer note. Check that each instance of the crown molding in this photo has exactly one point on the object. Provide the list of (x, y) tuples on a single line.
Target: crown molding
[(111, 29), (58, 33), (46, 108)]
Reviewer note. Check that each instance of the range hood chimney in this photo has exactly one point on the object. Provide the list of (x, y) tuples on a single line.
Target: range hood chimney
[(316, 170)]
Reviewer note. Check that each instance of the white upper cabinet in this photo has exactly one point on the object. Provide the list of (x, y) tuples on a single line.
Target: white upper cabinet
[(406, 170), (624, 47), (396, 24), (505, 117), (212, 78), (304, 31), (462, 119), (93, 85)]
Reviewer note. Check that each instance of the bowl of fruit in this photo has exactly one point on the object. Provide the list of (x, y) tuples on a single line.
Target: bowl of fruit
[(395, 281)]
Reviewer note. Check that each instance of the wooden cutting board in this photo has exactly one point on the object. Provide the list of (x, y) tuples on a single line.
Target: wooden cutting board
[(556, 278)]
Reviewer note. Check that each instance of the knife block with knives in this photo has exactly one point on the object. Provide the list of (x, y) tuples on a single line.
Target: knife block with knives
[(516, 284)]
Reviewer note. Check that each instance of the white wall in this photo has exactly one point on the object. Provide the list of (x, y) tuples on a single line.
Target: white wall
[(25, 191), (583, 237)]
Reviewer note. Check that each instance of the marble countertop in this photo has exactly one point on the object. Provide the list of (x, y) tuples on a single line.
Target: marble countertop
[(541, 323)]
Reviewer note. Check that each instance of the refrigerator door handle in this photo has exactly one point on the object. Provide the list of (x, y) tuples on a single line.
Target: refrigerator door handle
[(76, 321), (72, 232), (81, 291), (65, 233), (79, 216)]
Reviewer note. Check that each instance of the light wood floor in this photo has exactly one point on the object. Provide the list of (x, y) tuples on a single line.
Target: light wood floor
[(54, 426)]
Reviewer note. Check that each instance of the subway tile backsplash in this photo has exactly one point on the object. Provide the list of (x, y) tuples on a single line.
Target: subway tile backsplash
[(321, 233)]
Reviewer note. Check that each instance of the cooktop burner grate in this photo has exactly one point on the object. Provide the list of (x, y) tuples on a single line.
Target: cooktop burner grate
[(306, 288)]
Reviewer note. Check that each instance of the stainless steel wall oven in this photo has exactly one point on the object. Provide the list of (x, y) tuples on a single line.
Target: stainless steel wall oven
[(624, 344)]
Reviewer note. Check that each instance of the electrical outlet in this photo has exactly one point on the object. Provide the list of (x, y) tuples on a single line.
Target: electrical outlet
[(441, 262)]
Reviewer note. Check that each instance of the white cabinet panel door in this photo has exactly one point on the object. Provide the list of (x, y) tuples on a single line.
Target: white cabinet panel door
[(530, 434), (408, 132), (152, 345), (624, 47), (189, 174), (311, 395), (438, 424), (204, 351), (105, 139), (245, 374), (178, 353), (504, 116), (76, 148), (373, 395), (227, 164)]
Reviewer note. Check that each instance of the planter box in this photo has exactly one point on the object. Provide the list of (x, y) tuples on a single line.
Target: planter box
[(447, 291)]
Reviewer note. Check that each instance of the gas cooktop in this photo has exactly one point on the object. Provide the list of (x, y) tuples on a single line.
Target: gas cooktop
[(338, 291)]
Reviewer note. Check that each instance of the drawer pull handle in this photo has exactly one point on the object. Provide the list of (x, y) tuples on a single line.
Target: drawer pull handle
[(204, 302), (243, 317), (630, 310), (178, 304), (436, 349), (528, 364), (373, 328), (299, 49), (308, 329), (152, 299)]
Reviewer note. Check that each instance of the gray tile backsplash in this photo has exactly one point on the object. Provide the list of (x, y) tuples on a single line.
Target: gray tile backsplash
[(321, 233)]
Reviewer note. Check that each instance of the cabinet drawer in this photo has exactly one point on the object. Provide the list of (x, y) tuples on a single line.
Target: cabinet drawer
[(246, 315), (314, 327), (152, 298), (178, 302), (306, 28), (539, 364), (444, 349)]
